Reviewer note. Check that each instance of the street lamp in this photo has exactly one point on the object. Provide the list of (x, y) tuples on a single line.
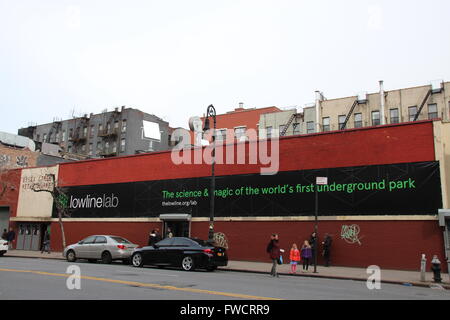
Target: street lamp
[(211, 112)]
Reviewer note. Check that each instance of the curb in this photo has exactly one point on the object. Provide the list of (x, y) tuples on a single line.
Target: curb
[(322, 276)]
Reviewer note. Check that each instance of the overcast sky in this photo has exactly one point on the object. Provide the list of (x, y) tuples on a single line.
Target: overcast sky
[(173, 58)]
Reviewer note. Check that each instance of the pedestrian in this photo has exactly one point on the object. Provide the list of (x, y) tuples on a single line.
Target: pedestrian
[(294, 256), (157, 236), (11, 235), (313, 244), (273, 249), (306, 254), (327, 249), (152, 238), (5, 234), (46, 244), (169, 233)]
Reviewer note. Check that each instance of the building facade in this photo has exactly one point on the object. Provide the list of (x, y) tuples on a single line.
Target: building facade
[(363, 110), (381, 203), (120, 132)]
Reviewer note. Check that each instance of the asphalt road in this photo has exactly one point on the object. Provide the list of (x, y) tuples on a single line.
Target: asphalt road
[(37, 279)]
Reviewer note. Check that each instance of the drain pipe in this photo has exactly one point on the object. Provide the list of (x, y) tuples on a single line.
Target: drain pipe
[(382, 115), (318, 99)]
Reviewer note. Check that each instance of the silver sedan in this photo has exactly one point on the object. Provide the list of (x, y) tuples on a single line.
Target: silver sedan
[(101, 247)]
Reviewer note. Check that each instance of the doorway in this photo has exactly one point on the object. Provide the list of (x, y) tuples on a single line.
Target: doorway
[(30, 236), (178, 228), (4, 219)]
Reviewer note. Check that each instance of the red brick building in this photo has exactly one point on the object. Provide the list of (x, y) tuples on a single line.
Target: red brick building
[(386, 185)]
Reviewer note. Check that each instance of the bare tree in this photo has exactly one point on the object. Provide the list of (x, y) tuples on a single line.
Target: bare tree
[(60, 200)]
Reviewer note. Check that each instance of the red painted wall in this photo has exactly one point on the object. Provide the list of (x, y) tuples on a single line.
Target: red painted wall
[(388, 244), (411, 142), (10, 180)]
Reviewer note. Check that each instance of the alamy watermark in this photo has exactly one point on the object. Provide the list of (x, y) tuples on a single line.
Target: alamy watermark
[(374, 280), (74, 280), (249, 149)]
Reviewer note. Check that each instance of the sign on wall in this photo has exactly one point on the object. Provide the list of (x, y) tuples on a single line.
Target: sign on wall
[(396, 189)]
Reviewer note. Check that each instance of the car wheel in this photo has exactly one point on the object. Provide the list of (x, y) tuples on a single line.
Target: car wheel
[(106, 257), (137, 260), (1, 254), (187, 263), (71, 257)]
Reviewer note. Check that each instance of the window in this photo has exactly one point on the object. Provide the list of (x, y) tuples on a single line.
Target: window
[(114, 147), (100, 239), (83, 148), (90, 149), (108, 127), (45, 138), (124, 125), (100, 128), (91, 133), (106, 146), (296, 126), (432, 111), (64, 136), (38, 137), (239, 133), (393, 114), (269, 132), (69, 149), (57, 136), (122, 145), (341, 120), (165, 242), (84, 131), (412, 113), (358, 120), (116, 124), (99, 146), (326, 124), (376, 118), (71, 133), (88, 240), (310, 127)]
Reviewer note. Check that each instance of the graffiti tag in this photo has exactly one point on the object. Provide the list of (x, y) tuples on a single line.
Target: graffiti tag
[(351, 234)]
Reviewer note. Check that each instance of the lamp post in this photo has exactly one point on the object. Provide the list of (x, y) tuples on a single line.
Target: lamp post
[(319, 181), (211, 112)]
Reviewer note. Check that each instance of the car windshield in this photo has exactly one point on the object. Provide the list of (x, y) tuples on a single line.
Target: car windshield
[(120, 240)]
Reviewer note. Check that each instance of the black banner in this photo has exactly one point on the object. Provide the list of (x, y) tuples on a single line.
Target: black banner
[(396, 189)]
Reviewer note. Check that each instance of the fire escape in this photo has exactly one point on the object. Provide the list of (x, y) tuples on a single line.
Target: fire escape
[(291, 119), (110, 133), (359, 100)]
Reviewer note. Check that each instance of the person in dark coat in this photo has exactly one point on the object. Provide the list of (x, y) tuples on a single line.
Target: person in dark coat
[(152, 238), (11, 236), (46, 244), (314, 246), (273, 249), (326, 249)]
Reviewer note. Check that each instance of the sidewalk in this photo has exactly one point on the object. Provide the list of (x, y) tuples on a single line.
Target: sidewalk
[(344, 273)]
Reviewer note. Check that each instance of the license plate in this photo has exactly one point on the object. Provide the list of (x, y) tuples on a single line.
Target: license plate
[(219, 254)]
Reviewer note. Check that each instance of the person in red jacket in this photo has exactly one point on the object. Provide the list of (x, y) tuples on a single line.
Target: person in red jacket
[(294, 256)]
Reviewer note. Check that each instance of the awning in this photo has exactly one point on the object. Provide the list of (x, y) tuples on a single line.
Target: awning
[(175, 216)]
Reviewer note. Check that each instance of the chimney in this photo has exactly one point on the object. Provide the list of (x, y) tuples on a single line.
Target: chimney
[(382, 102), (319, 98)]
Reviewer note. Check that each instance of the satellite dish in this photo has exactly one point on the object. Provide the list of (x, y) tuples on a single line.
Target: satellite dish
[(195, 124)]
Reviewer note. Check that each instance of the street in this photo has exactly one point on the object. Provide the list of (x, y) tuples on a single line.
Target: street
[(48, 279)]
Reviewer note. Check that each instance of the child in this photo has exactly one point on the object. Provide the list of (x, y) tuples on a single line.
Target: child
[(294, 257), (306, 254)]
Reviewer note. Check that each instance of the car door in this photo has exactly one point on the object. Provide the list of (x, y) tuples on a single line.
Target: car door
[(159, 255), (177, 250), (97, 247), (82, 249)]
